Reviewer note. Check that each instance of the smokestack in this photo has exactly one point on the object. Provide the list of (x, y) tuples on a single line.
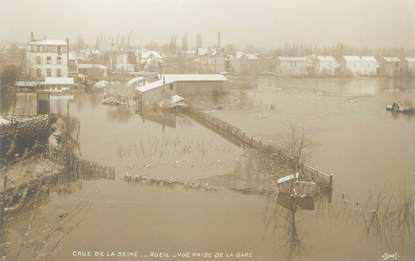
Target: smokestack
[(67, 55), (218, 39), (32, 36)]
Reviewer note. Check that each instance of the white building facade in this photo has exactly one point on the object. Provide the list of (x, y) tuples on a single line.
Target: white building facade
[(47, 58), (326, 65), (360, 66)]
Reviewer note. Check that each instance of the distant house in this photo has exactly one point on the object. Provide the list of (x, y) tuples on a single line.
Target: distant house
[(324, 65), (119, 60), (390, 66), (359, 65), (94, 71), (217, 59), (190, 54), (211, 60), (244, 63), (186, 85), (203, 59), (291, 66), (151, 60), (121, 63), (72, 65), (409, 66)]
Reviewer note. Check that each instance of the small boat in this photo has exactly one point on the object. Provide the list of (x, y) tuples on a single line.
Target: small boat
[(397, 108), (296, 193)]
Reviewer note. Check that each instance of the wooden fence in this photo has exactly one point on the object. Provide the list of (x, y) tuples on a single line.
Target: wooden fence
[(240, 138), (80, 168)]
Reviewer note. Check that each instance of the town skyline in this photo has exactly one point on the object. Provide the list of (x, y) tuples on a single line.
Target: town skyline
[(264, 24)]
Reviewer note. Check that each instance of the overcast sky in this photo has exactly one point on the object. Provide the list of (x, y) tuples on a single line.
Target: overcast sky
[(264, 23)]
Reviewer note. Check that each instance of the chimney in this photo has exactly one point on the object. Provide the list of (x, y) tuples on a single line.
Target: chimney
[(218, 39), (67, 54), (32, 37)]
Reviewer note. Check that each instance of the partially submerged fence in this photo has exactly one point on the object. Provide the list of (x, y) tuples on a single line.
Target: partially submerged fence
[(80, 168), (240, 138)]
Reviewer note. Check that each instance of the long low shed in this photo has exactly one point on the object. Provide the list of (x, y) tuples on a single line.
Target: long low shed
[(186, 85)]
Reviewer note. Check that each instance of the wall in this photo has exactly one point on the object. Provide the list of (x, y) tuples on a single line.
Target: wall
[(194, 88), (390, 69), (150, 99), (327, 67)]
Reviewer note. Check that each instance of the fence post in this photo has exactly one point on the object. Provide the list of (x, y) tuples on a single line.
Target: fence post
[(331, 181)]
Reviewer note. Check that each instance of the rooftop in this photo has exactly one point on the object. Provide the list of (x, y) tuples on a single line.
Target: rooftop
[(89, 66), (171, 78), (292, 58), (391, 59), (58, 81), (27, 83), (135, 80), (355, 58), (249, 56), (48, 42), (369, 59), (351, 58), (326, 58), (150, 55)]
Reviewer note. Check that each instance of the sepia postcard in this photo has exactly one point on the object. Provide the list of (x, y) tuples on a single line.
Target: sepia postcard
[(200, 130)]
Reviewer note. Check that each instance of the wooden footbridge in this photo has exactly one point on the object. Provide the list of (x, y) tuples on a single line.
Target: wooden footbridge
[(240, 138)]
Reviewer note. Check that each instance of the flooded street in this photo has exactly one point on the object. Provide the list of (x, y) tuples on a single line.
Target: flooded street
[(349, 134)]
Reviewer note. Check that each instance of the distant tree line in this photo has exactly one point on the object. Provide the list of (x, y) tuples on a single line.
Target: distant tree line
[(11, 66)]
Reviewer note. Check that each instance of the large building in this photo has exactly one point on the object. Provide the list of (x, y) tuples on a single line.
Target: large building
[(359, 65), (245, 63), (47, 58), (323, 65)]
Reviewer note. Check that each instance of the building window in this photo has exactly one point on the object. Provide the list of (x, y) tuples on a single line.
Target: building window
[(59, 73), (49, 72), (59, 60), (35, 48), (59, 50), (52, 49), (38, 72), (48, 60), (38, 60)]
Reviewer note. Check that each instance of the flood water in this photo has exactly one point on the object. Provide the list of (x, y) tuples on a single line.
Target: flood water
[(347, 130), (349, 133)]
